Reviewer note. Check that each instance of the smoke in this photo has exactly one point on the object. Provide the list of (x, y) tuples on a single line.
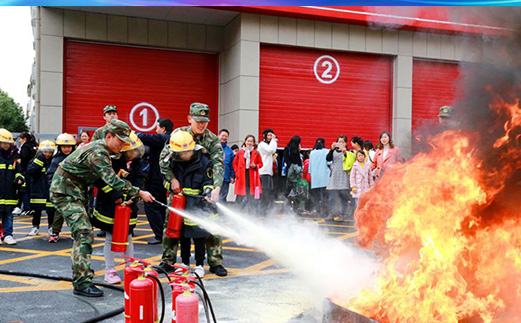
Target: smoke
[(327, 266)]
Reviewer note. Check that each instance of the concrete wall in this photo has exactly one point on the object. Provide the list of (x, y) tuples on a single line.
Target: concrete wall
[(239, 45), (57, 24), (239, 84)]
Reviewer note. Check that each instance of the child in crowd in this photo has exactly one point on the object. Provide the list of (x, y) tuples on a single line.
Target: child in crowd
[(235, 149), (39, 185), (193, 170), (128, 166), (65, 145), (11, 180), (361, 178)]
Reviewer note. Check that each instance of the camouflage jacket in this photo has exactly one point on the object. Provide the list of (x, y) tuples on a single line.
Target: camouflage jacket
[(89, 164), (210, 142), (99, 133)]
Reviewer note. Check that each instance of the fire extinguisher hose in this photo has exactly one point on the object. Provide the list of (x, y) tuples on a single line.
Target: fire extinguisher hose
[(162, 296), (206, 298), (98, 318), (201, 297), (161, 270)]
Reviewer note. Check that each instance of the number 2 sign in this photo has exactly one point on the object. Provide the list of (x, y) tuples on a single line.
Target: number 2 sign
[(324, 70), (142, 122)]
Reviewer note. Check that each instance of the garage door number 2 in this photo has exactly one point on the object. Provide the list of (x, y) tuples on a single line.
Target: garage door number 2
[(326, 77)]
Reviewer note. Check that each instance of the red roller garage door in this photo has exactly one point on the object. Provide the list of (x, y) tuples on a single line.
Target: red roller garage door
[(434, 85), (144, 83), (303, 93)]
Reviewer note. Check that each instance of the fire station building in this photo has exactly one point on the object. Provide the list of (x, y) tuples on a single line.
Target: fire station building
[(308, 71)]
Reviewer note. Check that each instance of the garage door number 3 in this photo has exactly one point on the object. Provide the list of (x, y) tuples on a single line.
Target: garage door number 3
[(326, 77)]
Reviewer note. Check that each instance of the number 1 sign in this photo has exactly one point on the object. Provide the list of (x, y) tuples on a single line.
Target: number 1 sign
[(143, 124)]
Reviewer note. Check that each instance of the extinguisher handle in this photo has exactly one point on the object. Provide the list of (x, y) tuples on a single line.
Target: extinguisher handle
[(132, 259)]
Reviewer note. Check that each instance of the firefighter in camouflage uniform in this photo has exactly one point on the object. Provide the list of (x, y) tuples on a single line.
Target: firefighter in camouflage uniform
[(198, 118), (110, 113), (68, 193)]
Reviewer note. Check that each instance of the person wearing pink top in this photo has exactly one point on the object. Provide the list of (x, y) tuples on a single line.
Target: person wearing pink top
[(387, 154)]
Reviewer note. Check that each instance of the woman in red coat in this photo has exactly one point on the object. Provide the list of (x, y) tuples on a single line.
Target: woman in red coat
[(246, 165)]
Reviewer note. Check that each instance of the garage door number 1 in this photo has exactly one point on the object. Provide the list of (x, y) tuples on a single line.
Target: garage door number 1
[(326, 77), (142, 125)]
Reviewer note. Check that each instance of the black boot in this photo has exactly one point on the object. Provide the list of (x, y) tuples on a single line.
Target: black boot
[(219, 270), (166, 267), (89, 291)]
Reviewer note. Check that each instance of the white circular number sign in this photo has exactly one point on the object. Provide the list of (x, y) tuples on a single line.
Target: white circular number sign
[(141, 122), (326, 69)]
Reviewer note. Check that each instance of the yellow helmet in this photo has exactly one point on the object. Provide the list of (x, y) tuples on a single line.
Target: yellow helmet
[(47, 145), (6, 136), (181, 141), (66, 140), (134, 144)]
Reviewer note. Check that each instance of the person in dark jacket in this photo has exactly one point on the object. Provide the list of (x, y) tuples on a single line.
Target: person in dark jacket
[(292, 161), (128, 166), (194, 171), (11, 181), (65, 145), (154, 183), (27, 151), (39, 191)]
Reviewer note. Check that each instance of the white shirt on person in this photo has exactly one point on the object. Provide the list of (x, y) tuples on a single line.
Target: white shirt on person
[(266, 151)]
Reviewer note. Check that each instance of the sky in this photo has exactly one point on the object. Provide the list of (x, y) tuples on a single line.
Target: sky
[(16, 52)]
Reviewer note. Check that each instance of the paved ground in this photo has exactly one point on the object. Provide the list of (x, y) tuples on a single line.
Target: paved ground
[(257, 289)]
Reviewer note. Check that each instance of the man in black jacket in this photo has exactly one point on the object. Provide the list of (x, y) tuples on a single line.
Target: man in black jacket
[(154, 184)]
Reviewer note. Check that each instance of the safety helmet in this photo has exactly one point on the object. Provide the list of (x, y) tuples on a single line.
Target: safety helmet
[(66, 140), (6, 136), (47, 145), (181, 141), (134, 144)]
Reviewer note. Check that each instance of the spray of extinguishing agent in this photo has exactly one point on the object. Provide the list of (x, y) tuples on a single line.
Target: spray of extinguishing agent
[(301, 242)]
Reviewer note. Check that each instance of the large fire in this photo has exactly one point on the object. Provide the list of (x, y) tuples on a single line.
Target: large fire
[(447, 226)]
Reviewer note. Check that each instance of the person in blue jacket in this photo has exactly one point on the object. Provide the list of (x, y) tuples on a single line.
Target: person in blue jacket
[(319, 171), (228, 156)]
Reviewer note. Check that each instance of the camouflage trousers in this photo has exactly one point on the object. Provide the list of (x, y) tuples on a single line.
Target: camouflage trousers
[(57, 222), (213, 245), (75, 214)]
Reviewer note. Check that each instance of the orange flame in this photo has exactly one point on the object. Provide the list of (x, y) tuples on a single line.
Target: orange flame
[(447, 227)]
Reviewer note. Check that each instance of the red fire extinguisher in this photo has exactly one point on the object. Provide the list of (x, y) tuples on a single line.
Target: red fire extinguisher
[(120, 231), (187, 308), (175, 220), (180, 284), (132, 271), (148, 270), (143, 309)]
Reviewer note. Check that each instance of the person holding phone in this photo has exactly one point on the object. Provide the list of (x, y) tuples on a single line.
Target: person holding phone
[(338, 185)]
